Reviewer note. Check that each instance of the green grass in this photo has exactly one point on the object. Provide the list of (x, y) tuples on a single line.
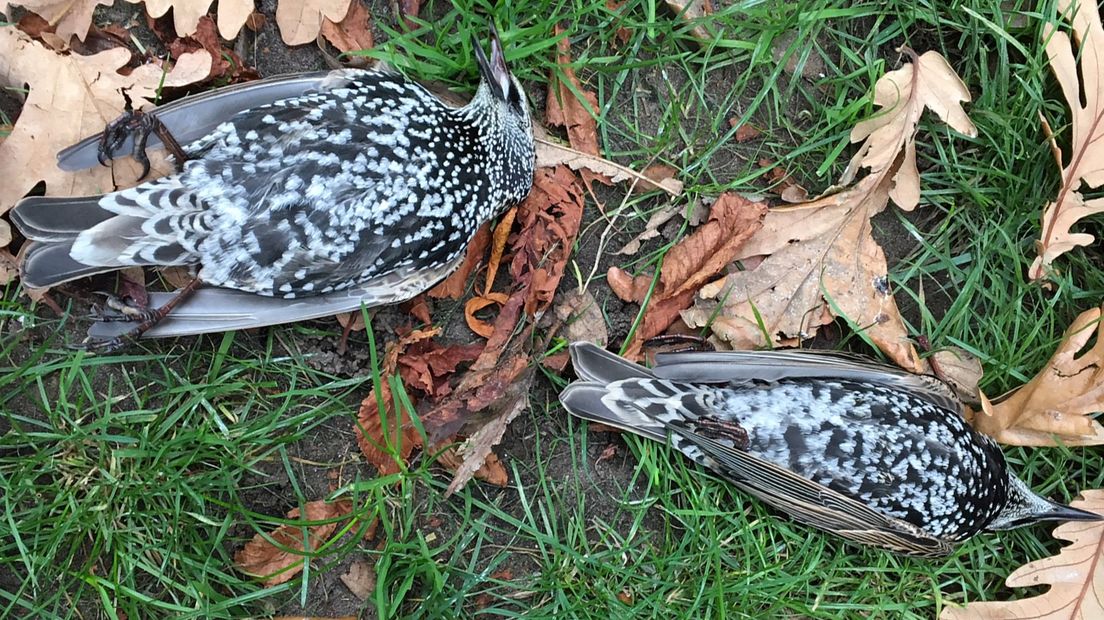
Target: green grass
[(129, 481)]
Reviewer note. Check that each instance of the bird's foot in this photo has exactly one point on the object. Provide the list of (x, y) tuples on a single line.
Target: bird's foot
[(149, 318), (125, 310), (140, 125)]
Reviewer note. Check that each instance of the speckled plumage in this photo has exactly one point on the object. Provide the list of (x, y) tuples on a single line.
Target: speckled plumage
[(868, 452), (364, 177)]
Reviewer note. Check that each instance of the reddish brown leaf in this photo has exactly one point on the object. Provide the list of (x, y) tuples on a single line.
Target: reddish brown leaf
[(475, 304), (607, 453), (409, 10), (419, 309), (453, 286), (224, 61), (557, 361), (564, 109), (255, 21), (278, 557), (132, 285), (353, 32), (498, 246), (693, 262), (383, 448), (622, 34), (746, 133), (492, 471), (626, 287)]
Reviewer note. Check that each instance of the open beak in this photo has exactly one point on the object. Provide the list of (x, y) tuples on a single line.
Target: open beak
[(494, 71), (1061, 512)]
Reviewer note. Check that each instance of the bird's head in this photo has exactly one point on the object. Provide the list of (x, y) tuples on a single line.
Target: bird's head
[(502, 102), (1025, 507)]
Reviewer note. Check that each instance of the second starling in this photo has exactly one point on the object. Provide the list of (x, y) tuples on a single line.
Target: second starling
[(352, 182), (861, 450)]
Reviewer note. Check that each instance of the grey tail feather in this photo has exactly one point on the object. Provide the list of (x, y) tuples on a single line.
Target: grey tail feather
[(584, 399), (593, 363), (40, 218), (49, 264)]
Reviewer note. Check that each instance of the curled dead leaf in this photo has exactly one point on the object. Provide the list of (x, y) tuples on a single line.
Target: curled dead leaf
[(1057, 406), (453, 287)]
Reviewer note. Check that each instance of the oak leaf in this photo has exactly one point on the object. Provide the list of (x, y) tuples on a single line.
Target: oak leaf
[(278, 557), (70, 97), (1058, 404), (231, 15), (1086, 165), (354, 32), (820, 259), (572, 107), (301, 20), (70, 18), (1075, 577)]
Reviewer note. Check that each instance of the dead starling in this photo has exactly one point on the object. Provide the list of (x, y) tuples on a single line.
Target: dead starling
[(352, 184), (861, 450)]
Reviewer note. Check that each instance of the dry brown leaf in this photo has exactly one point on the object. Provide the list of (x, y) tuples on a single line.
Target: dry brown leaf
[(69, 18), (71, 97), (278, 557), (301, 20), (691, 263), (226, 62), (1058, 404), (492, 471), (354, 32), (498, 246), (551, 154), (1086, 164), (582, 317), (564, 108), (475, 304), (1075, 577), (821, 260), (232, 14), (651, 228), (959, 369), (694, 11), (360, 579)]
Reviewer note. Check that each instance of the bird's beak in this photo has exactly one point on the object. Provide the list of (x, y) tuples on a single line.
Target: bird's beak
[(494, 71), (1061, 512)]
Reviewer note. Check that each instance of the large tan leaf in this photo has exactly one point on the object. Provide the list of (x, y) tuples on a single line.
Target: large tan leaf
[(821, 259), (1057, 405), (300, 20), (71, 97), (186, 13), (1086, 165), (1075, 577), (69, 17)]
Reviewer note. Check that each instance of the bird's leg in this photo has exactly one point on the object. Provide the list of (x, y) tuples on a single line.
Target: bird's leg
[(140, 125), (152, 318)]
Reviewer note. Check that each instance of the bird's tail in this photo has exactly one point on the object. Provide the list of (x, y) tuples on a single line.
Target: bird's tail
[(81, 236), (617, 392)]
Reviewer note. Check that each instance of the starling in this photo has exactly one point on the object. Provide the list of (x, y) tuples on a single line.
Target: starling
[(348, 187), (870, 453)]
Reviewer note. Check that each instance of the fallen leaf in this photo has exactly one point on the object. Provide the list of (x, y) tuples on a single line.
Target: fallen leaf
[(550, 155), (69, 18), (694, 12), (301, 20), (607, 453), (1058, 405), (360, 579), (1086, 164), (132, 285), (453, 287), (745, 132), (1075, 577), (354, 32), (278, 557), (821, 260), (232, 14), (651, 227), (959, 369), (409, 10), (928, 82), (226, 63), (427, 365), (582, 317), (564, 108), (475, 304), (492, 471), (498, 246), (70, 97), (622, 34), (691, 263)]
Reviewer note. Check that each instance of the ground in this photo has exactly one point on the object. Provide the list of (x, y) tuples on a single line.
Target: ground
[(130, 480)]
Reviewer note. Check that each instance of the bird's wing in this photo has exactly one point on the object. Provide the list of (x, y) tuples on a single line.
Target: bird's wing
[(726, 366), (212, 309), (816, 505), (197, 115)]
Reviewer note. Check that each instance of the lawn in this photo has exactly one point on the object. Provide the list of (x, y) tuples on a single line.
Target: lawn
[(130, 480)]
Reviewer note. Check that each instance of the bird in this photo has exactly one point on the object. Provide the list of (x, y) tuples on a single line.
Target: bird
[(296, 195), (861, 450)]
